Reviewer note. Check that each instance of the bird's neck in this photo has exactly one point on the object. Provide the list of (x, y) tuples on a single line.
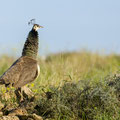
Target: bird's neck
[(31, 45)]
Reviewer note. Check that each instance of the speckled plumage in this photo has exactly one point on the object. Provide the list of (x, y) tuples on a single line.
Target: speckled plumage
[(25, 69), (31, 45)]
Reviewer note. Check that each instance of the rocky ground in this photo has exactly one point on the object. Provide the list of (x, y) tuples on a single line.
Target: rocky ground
[(24, 110)]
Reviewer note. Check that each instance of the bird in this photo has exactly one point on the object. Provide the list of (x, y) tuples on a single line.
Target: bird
[(26, 68)]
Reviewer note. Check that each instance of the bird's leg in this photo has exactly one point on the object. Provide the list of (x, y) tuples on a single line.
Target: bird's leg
[(19, 95), (27, 93), (24, 93)]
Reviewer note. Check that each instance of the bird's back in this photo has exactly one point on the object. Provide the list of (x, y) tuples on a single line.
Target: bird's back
[(23, 71)]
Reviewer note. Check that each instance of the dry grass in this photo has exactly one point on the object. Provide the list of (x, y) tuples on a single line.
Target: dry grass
[(76, 86)]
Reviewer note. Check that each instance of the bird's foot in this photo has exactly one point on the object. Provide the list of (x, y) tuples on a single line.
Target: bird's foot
[(24, 94)]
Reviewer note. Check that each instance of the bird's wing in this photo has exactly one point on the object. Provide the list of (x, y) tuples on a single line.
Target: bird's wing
[(23, 71), (12, 74), (29, 72)]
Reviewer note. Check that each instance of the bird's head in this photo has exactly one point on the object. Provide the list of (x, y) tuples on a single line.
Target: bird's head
[(36, 27)]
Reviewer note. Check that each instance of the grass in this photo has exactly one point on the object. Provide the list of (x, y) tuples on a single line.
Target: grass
[(75, 86)]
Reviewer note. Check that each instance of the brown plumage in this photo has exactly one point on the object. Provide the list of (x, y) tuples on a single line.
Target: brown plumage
[(25, 69)]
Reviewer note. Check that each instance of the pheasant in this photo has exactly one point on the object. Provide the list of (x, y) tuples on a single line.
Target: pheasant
[(25, 69)]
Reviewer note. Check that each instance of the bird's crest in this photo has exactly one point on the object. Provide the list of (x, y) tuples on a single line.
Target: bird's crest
[(35, 26), (32, 22)]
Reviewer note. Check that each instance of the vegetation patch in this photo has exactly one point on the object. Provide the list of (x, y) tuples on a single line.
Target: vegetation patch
[(71, 86)]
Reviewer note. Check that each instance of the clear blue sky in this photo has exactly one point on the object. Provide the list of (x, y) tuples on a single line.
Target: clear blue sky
[(68, 25)]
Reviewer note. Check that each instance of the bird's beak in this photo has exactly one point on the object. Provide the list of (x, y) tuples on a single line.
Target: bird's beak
[(40, 26)]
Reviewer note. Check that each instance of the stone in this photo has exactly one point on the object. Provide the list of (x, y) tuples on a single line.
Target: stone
[(18, 111), (9, 118), (30, 117), (36, 117)]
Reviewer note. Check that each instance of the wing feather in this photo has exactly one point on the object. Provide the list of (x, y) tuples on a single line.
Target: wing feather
[(21, 72)]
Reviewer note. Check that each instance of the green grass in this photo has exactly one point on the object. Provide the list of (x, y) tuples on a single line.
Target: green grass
[(76, 86)]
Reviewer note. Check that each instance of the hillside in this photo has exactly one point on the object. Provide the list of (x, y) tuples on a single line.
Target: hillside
[(73, 86)]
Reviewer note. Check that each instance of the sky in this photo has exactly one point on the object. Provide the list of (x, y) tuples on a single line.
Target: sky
[(69, 25)]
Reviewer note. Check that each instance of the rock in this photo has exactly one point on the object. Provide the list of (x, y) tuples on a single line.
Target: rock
[(30, 117), (8, 108), (9, 118), (22, 117), (18, 111), (36, 117)]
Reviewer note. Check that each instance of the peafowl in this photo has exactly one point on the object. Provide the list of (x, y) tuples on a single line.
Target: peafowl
[(25, 69)]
